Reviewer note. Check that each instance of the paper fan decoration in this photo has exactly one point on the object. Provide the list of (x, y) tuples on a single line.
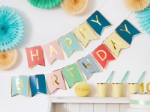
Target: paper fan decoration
[(8, 59), (11, 28), (74, 7), (44, 3), (144, 19), (136, 5)]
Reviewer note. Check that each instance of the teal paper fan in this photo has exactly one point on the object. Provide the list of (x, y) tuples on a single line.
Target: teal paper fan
[(144, 19), (11, 28), (44, 3)]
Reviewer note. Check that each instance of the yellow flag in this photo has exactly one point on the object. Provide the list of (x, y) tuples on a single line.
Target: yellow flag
[(84, 34), (115, 43)]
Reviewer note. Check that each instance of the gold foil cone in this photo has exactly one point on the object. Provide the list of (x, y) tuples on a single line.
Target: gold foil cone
[(74, 7), (136, 5), (8, 59)]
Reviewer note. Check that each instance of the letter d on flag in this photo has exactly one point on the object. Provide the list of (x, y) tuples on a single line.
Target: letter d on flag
[(102, 55)]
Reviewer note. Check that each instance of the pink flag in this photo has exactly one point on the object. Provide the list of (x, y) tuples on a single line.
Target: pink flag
[(53, 51), (55, 81)]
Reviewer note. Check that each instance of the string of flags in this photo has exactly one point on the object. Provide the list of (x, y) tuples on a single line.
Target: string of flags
[(109, 50), (73, 41)]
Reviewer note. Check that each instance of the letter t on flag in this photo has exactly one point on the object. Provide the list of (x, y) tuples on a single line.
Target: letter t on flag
[(35, 56), (102, 55), (72, 74)]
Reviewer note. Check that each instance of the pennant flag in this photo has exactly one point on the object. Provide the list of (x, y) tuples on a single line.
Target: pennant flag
[(53, 51), (38, 84), (102, 55), (72, 74), (19, 85), (115, 43), (126, 30), (55, 81), (88, 66), (69, 43), (84, 33), (35, 56), (97, 21)]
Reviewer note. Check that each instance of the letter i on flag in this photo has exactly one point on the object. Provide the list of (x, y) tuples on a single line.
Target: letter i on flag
[(88, 66), (53, 51), (38, 84), (35, 56), (98, 22), (102, 55), (55, 81), (72, 74), (19, 85), (69, 43), (126, 30)]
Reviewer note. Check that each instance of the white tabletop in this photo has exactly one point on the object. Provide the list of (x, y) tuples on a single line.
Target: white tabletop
[(138, 110)]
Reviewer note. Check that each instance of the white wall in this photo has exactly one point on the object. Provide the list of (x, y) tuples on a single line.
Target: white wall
[(42, 26)]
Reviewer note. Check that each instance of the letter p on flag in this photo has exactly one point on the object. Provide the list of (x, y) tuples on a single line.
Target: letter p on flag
[(102, 55)]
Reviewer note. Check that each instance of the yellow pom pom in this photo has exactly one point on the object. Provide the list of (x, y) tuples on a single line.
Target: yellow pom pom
[(82, 89)]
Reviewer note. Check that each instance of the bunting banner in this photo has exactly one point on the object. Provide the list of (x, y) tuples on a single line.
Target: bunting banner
[(70, 42), (107, 51)]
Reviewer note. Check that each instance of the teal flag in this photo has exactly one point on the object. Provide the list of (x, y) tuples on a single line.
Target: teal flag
[(19, 85), (69, 44)]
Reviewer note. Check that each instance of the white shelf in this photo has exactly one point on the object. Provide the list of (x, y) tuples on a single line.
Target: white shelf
[(88, 100)]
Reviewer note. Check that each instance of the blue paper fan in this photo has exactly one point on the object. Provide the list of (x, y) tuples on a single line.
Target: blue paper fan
[(11, 28), (144, 19)]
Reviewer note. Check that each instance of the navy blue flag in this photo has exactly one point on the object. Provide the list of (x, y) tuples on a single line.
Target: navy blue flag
[(38, 84), (126, 30), (97, 21)]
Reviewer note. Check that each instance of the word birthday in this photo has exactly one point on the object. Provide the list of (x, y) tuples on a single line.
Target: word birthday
[(110, 48)]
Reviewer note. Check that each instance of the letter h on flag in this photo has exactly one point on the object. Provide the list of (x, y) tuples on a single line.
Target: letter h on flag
[(35, 56)]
